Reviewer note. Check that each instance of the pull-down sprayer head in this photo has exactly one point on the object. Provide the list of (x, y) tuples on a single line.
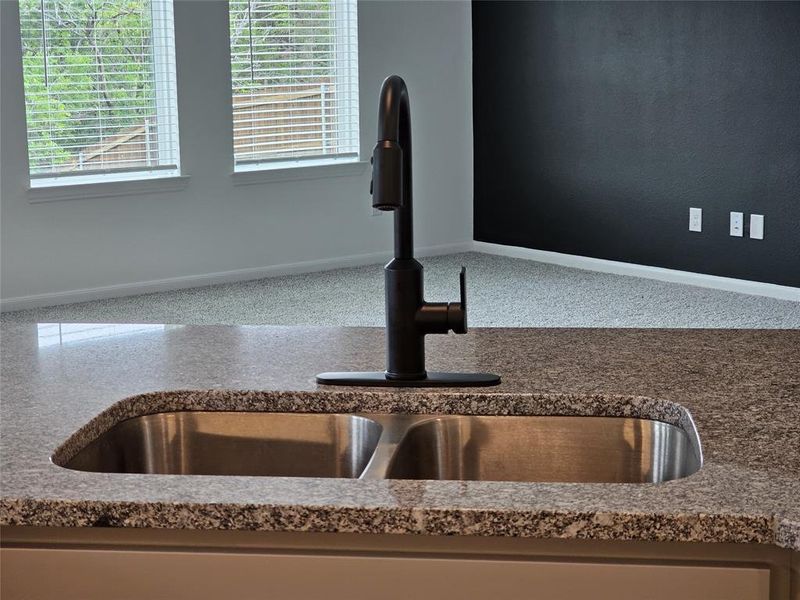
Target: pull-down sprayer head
[(387, 176)]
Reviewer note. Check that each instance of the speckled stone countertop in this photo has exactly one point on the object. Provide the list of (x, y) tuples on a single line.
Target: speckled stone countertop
[(741, 387)]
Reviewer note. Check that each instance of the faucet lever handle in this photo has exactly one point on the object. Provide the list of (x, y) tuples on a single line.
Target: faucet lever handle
[(457, 311), (462, 280)]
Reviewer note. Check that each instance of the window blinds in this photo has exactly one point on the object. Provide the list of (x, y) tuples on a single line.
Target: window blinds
[(100, 87), (295, 80)]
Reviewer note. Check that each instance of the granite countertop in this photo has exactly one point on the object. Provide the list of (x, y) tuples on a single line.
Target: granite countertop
[(741, 387)]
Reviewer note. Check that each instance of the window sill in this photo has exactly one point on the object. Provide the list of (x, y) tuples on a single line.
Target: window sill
[(254, 176), (107, 189)]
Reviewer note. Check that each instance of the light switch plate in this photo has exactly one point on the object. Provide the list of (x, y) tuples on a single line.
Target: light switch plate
[(757, 227), (695, 219), (737, 224)]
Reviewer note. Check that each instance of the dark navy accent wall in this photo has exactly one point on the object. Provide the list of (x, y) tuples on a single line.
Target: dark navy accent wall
[(597, 125)]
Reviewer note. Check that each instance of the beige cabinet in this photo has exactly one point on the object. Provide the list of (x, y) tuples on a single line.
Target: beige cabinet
[(59, 565), (30, 574)]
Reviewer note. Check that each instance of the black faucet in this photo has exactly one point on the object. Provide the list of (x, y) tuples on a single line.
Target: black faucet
[(408, 317)]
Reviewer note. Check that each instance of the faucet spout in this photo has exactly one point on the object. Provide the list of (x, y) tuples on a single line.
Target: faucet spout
[(394, 111), (391, 163)]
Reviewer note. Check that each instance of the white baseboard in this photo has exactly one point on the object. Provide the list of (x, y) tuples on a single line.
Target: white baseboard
[(177, 283), (586, 263)]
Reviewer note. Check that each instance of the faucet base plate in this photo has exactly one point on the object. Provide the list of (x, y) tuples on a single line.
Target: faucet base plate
[(434, 379)]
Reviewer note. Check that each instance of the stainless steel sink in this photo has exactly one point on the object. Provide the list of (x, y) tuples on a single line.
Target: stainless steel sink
[(234, 443), (565, 449), (396, 446)]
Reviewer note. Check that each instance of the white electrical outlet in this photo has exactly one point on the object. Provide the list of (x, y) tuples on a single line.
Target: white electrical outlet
[(695, 219), (757, 227), (737, 224)]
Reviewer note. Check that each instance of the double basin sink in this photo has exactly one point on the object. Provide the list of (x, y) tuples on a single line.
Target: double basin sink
[(396, 446)]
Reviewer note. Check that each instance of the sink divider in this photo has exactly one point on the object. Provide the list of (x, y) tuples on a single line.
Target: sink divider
[(394, 429)]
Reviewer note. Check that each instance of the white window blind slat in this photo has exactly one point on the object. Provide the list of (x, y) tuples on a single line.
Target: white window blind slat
[(100, 87), (295, 80)]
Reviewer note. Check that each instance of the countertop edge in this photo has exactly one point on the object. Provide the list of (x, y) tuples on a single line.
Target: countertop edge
[(540, 524)]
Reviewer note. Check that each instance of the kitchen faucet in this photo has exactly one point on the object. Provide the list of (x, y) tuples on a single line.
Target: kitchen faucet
[(408, 317)]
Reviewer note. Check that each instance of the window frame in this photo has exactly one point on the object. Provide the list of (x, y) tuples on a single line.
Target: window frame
[(43, 187), (315, 167)]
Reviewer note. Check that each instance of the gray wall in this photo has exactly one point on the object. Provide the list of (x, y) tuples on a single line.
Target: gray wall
[(214, 226), (597, 125)]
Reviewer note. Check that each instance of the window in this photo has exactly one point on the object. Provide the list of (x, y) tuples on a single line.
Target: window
[(295, 82), (100, 90)]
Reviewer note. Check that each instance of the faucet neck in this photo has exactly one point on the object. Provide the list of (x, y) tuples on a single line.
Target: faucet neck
[(394, 124)]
